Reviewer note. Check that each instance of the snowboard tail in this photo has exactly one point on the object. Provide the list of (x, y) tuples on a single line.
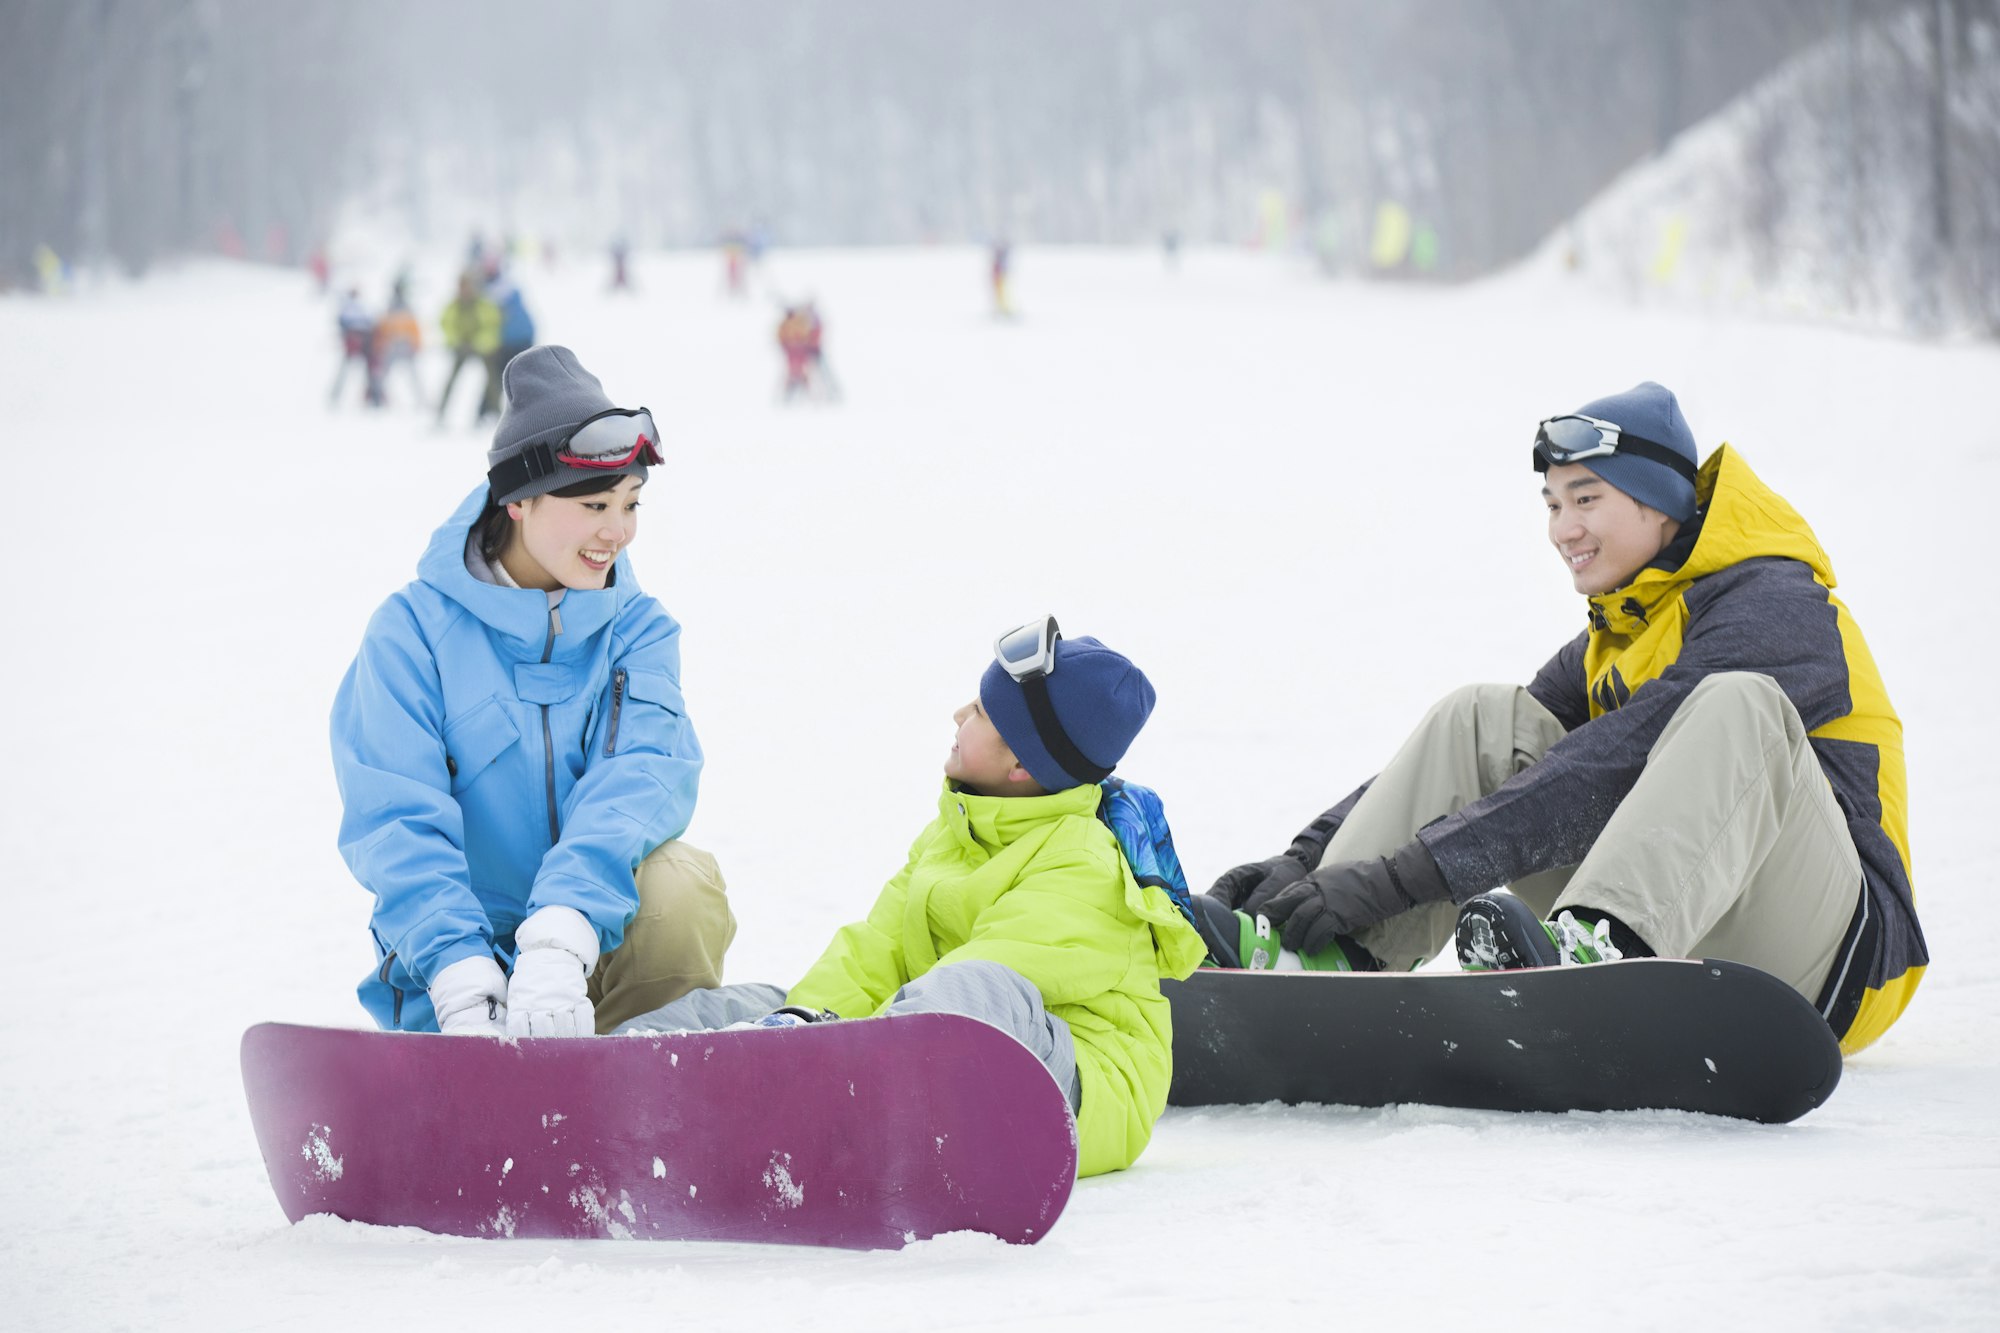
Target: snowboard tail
[(861, 1135), (1677, 1034)]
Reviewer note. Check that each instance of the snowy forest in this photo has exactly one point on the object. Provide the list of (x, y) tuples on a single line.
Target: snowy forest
[(1442, 139)]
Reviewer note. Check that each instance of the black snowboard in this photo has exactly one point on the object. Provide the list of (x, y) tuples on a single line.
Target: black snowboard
[(1674, 1034)]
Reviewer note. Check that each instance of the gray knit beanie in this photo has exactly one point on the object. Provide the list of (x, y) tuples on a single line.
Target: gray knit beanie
[(548, 393)]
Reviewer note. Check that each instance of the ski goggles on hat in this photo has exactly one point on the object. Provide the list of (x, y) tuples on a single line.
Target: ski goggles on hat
[(1029, 650), (611, 441), (1028, 655), (1573, 439)]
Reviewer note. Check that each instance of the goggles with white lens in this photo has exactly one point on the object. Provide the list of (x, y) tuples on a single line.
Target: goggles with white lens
[(610, 441), (1028, 655), (1573, 439), (1029, 650)]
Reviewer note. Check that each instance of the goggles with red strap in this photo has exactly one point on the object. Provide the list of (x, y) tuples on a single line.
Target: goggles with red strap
[(612, 441)]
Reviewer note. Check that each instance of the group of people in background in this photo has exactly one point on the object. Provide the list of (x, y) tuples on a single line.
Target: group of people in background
[(487, 321), (378, 345)]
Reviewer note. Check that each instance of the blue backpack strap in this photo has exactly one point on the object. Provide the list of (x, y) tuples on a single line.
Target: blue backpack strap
[(1138, 820)]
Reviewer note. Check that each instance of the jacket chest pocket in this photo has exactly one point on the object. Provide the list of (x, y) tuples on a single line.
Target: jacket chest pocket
[(474, 741)]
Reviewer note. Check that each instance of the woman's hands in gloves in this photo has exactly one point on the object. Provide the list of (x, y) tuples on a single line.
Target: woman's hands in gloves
[(470, 998), (1347, 896), (555, 949)]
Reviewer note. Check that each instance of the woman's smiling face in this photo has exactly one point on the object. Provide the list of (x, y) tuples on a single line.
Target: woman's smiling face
[(563, 541)]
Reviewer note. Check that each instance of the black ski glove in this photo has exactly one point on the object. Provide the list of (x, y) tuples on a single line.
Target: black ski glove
[(1248, 887), (1347, 896)]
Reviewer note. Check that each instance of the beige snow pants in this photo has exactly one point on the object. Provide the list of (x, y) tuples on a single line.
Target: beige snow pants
[(1729, 846), (673, 944)]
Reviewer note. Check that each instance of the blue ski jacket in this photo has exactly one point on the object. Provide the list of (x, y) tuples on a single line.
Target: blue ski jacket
[(497, 754), (517, 326)]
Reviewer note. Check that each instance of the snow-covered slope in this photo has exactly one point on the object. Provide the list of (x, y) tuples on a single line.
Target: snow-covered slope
[(1813, 195), (1304, 508)]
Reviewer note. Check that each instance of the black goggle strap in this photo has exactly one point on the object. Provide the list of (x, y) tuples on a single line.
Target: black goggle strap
[(533, 463), (1054, 739), (1631, 445)]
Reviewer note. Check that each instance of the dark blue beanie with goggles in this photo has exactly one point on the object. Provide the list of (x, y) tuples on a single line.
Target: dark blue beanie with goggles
[(1650, 412), (1099, 701)]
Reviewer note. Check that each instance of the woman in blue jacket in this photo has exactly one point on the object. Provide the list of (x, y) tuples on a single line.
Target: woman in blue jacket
[(514, 759)]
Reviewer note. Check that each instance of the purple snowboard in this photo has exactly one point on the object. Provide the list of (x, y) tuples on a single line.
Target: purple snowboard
[(865, 1135)]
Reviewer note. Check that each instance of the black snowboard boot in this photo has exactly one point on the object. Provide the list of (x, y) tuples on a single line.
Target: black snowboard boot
[(1498, 932)]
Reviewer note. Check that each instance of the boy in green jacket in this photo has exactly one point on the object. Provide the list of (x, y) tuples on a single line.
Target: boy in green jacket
[(1015, 906)]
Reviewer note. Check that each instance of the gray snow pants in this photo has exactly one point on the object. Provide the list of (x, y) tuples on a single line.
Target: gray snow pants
[(996, 995)]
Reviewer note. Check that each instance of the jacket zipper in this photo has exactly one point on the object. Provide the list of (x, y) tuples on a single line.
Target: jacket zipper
[(396, 1017), (548, 736), (617, 702)]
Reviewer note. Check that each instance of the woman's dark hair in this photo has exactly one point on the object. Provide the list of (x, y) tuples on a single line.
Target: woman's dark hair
[(494, 526)]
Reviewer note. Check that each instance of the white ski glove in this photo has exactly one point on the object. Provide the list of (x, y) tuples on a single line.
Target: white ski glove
[(470, 998), (555, 950)]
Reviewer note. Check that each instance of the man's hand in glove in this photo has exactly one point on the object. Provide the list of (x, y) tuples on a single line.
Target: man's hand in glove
[(1248, 887), (1347, 896)]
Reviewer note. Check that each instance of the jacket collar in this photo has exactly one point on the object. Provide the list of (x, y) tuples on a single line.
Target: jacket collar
[(992, 822), (1739, 518)]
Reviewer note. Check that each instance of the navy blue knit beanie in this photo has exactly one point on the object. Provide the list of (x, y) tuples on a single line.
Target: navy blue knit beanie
[(1100, 699), (1652, 413)]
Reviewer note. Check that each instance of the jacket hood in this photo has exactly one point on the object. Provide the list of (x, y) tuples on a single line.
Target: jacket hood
[(517, 613), (1742, 519), (1747, 519)]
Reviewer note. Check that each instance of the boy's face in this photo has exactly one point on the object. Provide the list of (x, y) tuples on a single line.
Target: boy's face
[(1603, 535), (980, 761)]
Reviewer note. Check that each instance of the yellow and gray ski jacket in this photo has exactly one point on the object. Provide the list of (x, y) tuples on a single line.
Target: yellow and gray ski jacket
[(1035, 883), (1745, 586)]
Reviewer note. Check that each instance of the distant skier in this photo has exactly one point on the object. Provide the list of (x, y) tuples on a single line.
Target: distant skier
[(516, 809), (816, 363), (517, 335), (398, 339), (621, 273), (1712, 769), (795, 338), (357, 347), (802, 339), (1015, 906), (471, 326), (997, 271), (735, 258)]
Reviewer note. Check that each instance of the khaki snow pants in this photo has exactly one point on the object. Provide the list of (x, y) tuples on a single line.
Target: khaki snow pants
[(1730, 845), (673, 944)]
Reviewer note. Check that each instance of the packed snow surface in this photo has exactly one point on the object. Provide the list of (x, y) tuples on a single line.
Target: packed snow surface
[(1304, 507)]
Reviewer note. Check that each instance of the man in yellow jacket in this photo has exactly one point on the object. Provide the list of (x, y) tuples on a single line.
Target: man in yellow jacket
[(1711, 769), (1015, 906)]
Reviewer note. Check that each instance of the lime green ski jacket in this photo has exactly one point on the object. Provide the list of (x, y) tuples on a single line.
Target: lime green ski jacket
[(1035, 883)]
